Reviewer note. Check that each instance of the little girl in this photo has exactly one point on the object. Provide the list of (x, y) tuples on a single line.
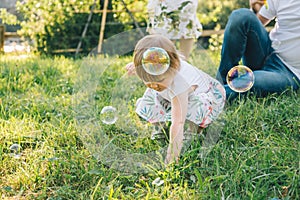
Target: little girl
[(181, 93)]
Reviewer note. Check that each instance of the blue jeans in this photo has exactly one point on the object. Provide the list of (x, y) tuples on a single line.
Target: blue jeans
[(246, 38)]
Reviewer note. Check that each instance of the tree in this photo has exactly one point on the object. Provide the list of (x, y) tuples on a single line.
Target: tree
[(47, 22)]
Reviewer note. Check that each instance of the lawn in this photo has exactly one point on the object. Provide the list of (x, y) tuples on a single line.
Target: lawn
[(53, 144)]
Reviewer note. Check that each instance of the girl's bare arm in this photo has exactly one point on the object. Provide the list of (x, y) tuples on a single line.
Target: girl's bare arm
[(179, 112)]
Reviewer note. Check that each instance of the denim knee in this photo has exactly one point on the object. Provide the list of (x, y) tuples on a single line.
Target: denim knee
[(241, 16)]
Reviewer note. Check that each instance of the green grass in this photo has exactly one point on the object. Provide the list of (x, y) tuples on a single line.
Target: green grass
[(256, 157)]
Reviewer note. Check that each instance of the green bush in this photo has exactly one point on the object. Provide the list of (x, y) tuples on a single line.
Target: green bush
[(56, 24)]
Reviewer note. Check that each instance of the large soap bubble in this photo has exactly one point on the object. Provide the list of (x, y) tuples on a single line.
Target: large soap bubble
[(240, 78), (155, 61)]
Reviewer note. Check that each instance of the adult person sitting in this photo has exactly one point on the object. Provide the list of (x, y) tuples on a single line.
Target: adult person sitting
[(273, 57)]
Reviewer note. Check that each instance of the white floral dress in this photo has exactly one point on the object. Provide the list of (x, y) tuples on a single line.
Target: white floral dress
[(205, 103), (174, 19)]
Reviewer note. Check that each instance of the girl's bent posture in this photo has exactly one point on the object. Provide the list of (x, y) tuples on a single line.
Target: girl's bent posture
[(181, 93)]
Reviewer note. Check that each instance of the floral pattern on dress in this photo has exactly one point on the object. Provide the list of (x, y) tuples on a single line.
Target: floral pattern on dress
[(203, 107)]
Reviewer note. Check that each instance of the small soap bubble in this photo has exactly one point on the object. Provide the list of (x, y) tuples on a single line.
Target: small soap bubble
[(15, 148), (240, 78), (109, 115), (155, 61), (193, 178), (158, 182)]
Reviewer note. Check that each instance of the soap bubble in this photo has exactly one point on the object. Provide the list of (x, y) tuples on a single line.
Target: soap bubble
[(240, 78), (155, 61), (109, 115), (15, 148)]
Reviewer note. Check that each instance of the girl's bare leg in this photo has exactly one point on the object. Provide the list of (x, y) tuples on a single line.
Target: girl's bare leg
[(190, 135), (186, 46), (194, 128)]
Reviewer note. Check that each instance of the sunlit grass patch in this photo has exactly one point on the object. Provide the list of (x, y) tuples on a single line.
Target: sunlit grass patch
[(256, 156)]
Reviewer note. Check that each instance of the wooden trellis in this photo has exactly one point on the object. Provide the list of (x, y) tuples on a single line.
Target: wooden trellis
[(2, 35), (102, 28), (103, 23)]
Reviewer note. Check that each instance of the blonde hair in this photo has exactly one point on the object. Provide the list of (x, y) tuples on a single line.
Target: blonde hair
[(155, 41)]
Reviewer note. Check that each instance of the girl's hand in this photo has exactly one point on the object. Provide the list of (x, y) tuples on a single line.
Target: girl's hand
[(130, 69), (170, 157)]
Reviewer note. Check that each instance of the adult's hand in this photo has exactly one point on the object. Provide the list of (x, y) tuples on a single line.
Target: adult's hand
[(256, 4)]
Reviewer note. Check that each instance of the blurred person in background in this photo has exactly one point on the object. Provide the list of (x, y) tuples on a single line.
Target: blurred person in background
[(177, 20)]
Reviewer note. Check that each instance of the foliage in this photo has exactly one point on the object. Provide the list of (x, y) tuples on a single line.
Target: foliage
[(214, 14), (8, 18), (68, 34), (40, 16), (256, 157), (58, 24), (138, 9)]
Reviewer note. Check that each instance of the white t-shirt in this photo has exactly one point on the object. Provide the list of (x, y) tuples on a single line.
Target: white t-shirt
[(187, 76), (285, 35)]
